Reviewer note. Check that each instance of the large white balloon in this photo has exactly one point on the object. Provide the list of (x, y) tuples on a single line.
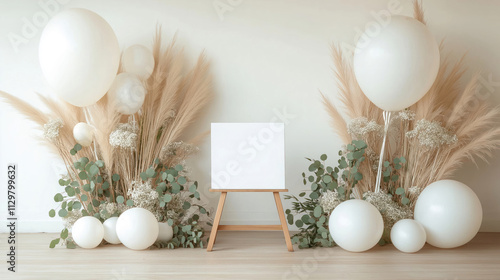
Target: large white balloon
[(83, 134), (139, 60), (110, 230), (87, 232), (396, 64), (450, 212), (408, 236), (165, 233), (79, 56), (356, 225), (127, 93), (137, 228)]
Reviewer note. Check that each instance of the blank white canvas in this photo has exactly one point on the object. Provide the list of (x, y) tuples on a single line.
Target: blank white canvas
[(248, 155)]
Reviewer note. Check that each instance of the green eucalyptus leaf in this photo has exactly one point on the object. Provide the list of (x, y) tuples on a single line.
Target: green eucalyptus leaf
[(84, 197), (54, 242), (400, 191), (405, 201), (323, 157), (130, 202), (120, 199), (115, 177), (179, 168), (63, 213), (58, 197), (317, 211), (64, 233), (52, 213), (83, 175)]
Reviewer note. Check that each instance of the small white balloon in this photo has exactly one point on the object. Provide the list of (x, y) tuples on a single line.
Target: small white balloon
[(165, 233), (127, 93), (79, 56), (356, 225), (396, 64), (83, 134), (88, 232), (450, 212), (110, 231), (137, 228), (139, 60), (408, 236)]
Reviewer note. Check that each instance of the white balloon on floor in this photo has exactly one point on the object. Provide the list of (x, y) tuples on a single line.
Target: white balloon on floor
[(408, 236), (79, 56), (127, 93), (450, 212), (87, 232), (139, 60), (83, 134), (356, 225), (110, 231), (165, 233), (397, 64), (137, 228)]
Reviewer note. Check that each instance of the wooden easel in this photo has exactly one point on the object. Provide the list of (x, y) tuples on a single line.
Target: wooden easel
[(216, 227)]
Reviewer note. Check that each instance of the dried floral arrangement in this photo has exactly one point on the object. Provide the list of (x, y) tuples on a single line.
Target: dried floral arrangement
[(427, 142), (137, 161)]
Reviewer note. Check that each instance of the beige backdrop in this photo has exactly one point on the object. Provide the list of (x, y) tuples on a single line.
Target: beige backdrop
[(269, 61)]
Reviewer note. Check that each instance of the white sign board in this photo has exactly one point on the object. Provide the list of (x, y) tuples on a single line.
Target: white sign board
[(248, 155)]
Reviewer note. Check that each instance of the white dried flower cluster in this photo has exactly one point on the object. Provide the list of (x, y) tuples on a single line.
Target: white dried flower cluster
[(51, 129), (144, 196), (431, 135), (71, 218), (125, 136), (406, 115), (360, 127), (177, 148), (391, 211), (329, 200), (174, 207), (414, 191), (108, 209), (373, 157)]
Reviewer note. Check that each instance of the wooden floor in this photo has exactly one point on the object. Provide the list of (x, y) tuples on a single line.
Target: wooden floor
[(252, 255)]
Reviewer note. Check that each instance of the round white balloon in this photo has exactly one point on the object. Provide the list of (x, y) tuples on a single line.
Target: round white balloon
[(127, 93), (79, 56), (139, 60), (110, 231), (450, 212), (83, 134), (87, 232), (396, 64), (408, 236), (165, 233), (137, 228), (356, 225)]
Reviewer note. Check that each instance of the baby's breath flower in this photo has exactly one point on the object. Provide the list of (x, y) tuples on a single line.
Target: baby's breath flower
[(329, 200), (124, 136), (431, 135), (360, 127), (406, 115), (51, 129), (177, 148), (144, 196), (390, 210), (71, 218)]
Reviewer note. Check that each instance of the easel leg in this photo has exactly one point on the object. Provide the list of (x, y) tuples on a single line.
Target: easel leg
[(284, 226), (215, 227)]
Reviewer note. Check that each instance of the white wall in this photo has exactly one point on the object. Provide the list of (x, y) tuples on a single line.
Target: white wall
[(266, 56)]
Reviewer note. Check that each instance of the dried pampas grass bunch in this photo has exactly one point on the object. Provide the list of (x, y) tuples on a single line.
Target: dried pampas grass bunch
[(435, 136), (134, 151)]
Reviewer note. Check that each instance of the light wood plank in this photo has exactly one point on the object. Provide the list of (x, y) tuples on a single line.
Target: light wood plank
[(248, 190), (252, 255), (249, 227)]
